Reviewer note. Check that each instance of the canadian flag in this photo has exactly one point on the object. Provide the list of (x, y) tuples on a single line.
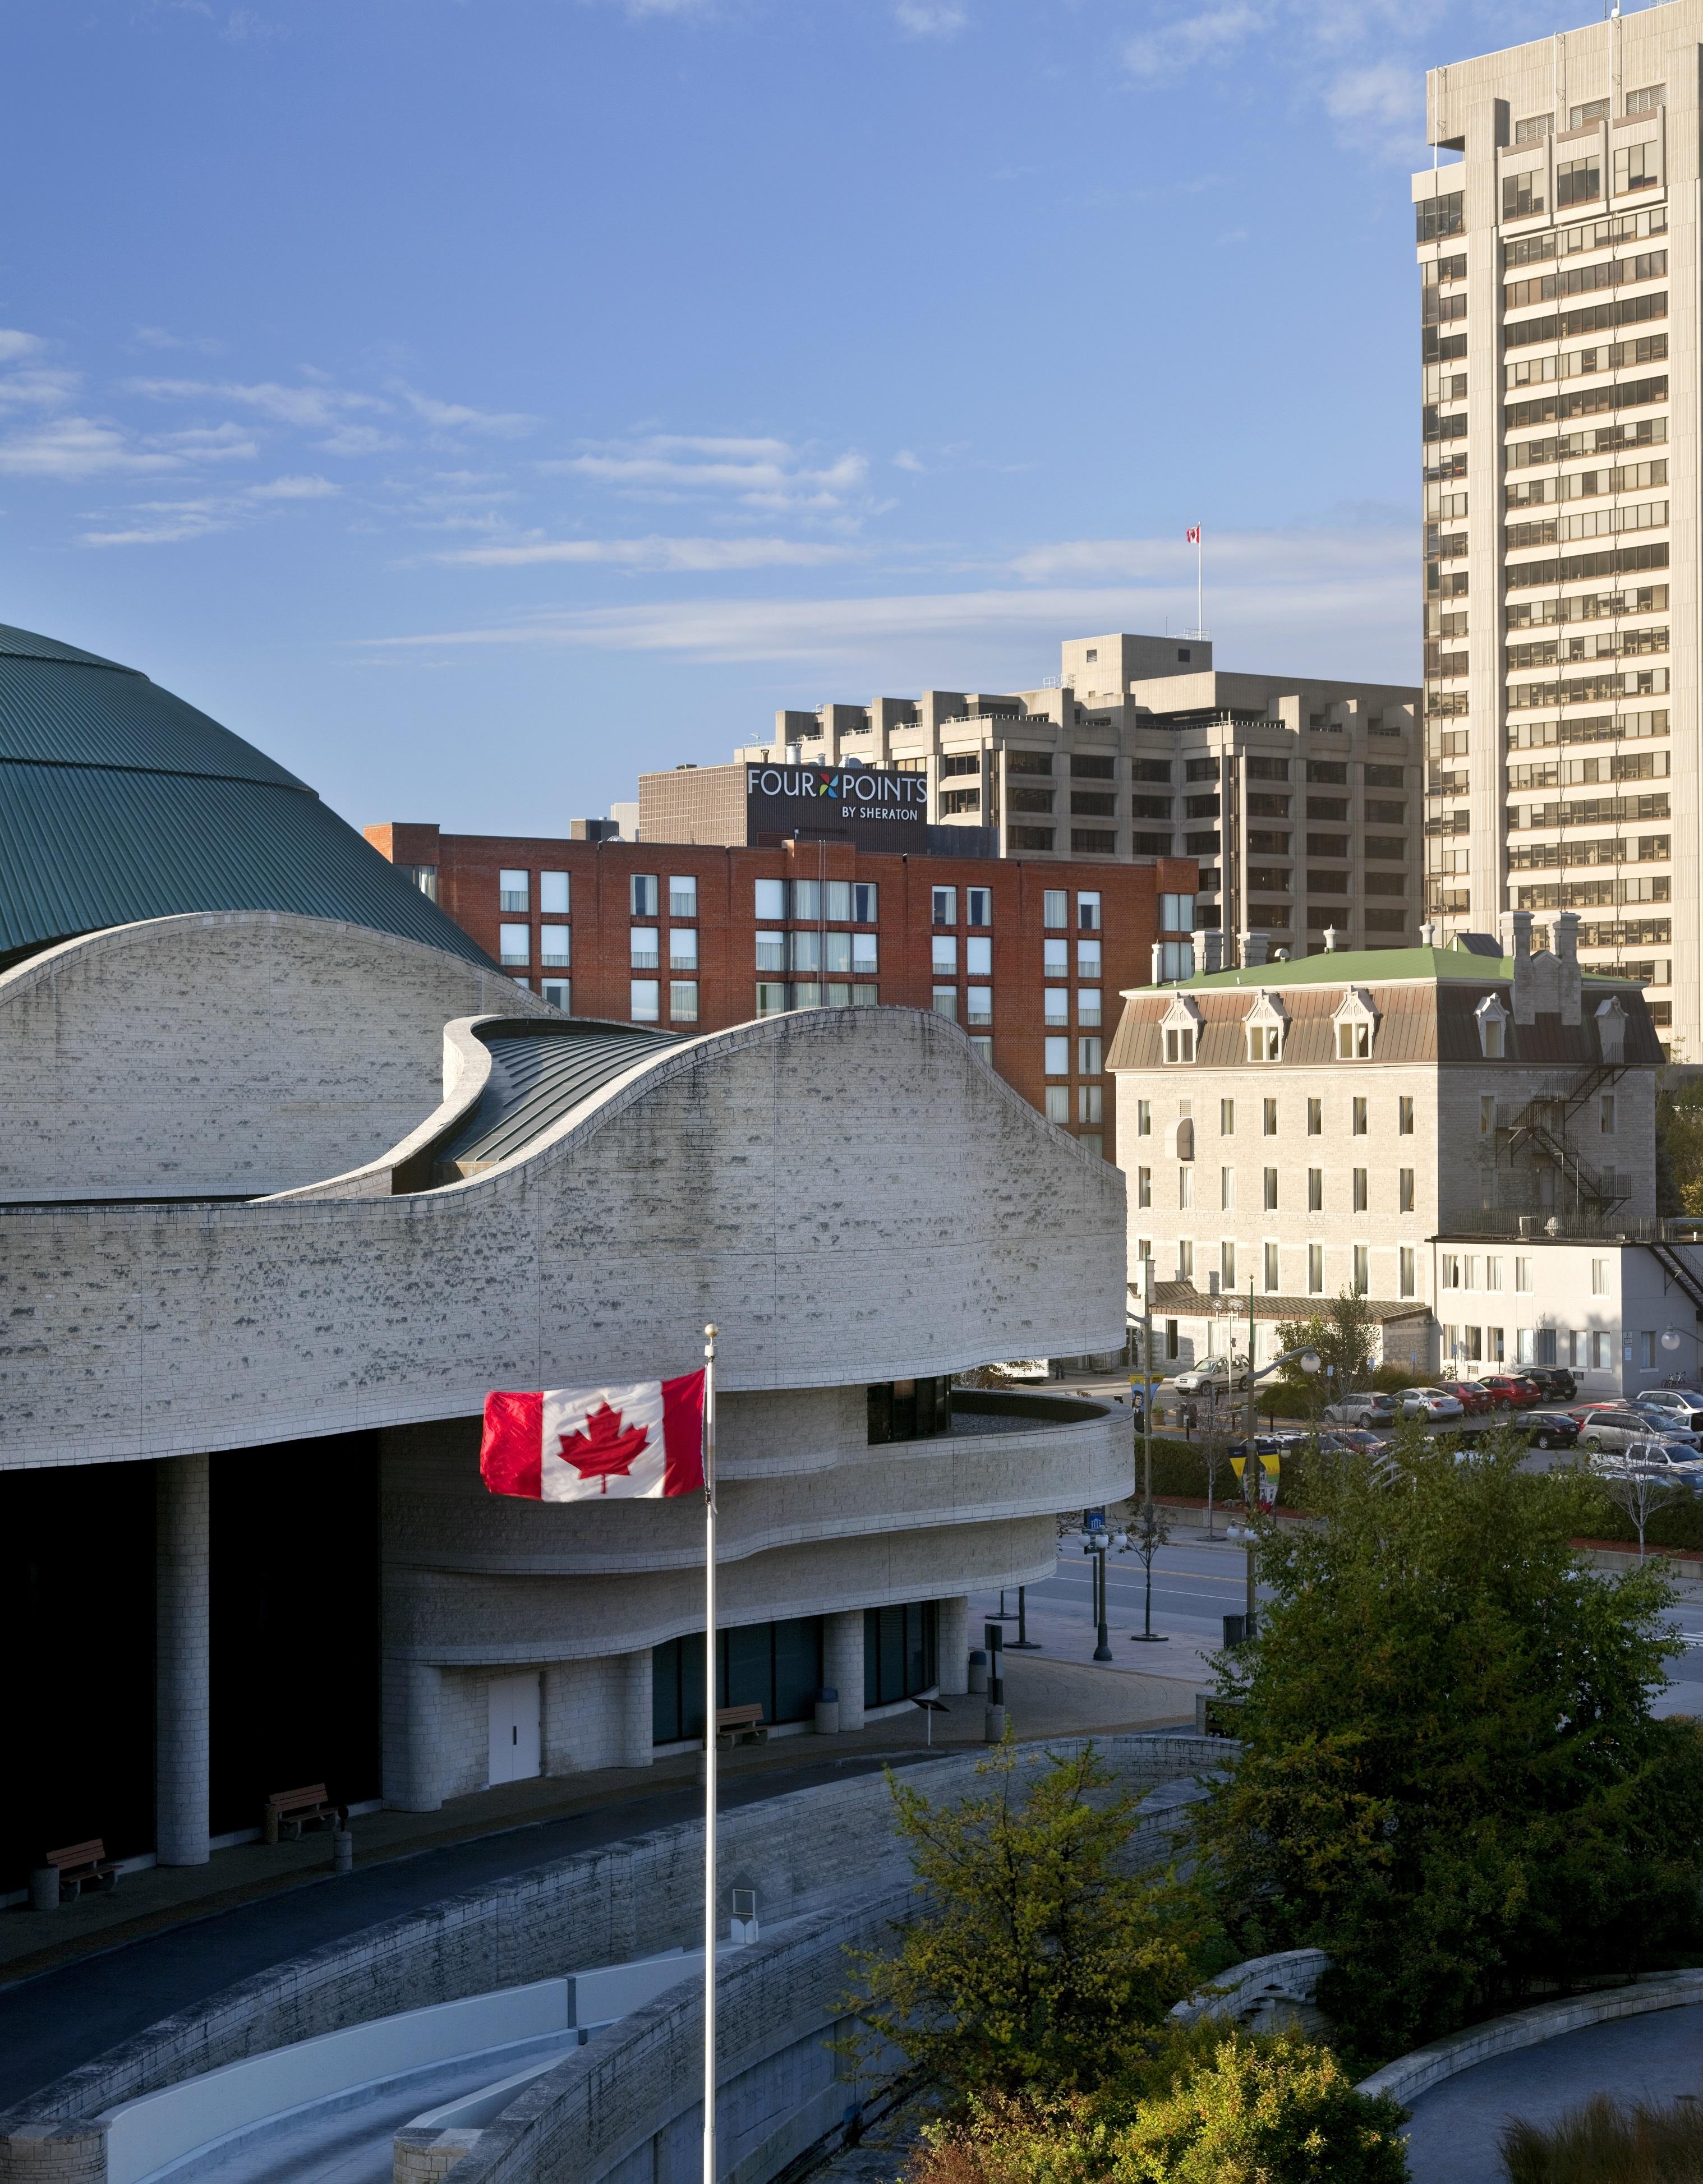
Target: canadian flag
[(638, 1440), (1192, 535)]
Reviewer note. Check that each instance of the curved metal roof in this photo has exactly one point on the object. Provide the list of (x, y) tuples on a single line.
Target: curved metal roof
[(119, 801), (538, 1071)]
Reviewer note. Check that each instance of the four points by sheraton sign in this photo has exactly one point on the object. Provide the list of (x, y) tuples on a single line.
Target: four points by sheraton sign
[(822, 799)]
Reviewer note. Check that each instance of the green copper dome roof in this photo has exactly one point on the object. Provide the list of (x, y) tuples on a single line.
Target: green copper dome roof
[(119, 801)]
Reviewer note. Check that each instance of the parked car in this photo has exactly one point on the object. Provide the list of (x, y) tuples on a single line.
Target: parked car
[(1679, 1406), (1269, 1444), (1652, 1459), (1353, 1440), (1429, 1403), (1511, 1391), (1549, 1430), (1374, 1408), (1472, 1398), (1613, 1430), (1221, 1373), (1558, 1385)]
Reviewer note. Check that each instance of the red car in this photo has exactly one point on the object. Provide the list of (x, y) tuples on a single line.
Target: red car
[(1516, 1394), (1473, 1400)]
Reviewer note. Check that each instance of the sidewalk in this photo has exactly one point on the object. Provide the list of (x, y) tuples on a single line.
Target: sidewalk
[(1044, 1697)]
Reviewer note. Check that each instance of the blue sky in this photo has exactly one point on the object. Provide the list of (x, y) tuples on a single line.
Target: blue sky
[(476, 401)]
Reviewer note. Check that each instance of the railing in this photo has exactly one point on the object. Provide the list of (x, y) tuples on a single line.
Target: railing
[(1576, 1225)]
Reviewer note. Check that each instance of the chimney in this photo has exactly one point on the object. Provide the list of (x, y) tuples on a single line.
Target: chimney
[(1427, 936), (1253, 948), (1516, 941), (1333, 940), (1159, 959), (1212, 948), (1566, 936)]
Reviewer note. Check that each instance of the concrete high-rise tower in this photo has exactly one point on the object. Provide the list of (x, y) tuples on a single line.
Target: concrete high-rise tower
[(1559, 296)]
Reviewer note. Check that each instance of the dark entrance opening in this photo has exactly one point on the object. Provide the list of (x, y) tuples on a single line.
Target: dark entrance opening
[(76, 1635), (295, 1623)]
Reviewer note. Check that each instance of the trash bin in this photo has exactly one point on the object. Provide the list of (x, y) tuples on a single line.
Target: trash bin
[(978, 1673), (44, 1888), (827, 1701)]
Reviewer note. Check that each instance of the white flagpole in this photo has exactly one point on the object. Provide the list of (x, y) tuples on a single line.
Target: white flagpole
[(710, 1696), (1200, 579)]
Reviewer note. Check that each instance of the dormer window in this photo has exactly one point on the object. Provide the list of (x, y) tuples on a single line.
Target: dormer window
[(1492, 1020), (1355, 1026), (1265, 1024), (1181, 1026), (1610, 1030)]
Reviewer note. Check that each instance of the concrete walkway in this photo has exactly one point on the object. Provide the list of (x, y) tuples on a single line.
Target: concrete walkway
[(186, 1933), (1455, 2125)]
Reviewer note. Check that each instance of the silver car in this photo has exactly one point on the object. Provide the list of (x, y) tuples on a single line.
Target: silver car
[(1657, 1460), (1212, 1372), (1678, 1407), (1616, 1430), (1430, 1403)]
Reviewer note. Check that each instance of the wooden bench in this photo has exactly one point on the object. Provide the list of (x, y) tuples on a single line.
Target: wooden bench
[(289, 1811), (741, 1725), (83, 1865)]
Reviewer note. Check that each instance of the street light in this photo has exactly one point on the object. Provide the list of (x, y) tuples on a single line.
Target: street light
[(1307, 1359), (1095, 1542)]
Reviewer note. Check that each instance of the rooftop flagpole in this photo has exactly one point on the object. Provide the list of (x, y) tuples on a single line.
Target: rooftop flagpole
[(710, 1696)]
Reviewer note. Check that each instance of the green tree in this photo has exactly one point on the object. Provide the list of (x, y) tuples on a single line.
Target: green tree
[(1679, 1149), (1036, 1957), (1451, 1777), (1344, 1335)]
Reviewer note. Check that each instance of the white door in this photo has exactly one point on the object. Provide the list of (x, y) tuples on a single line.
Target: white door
[(514, 1717)]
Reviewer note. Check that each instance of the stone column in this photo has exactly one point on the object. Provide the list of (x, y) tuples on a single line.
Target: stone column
[(637, 1726), (182, 1714), (413, 1736), (952, 1644), (842, 1663)]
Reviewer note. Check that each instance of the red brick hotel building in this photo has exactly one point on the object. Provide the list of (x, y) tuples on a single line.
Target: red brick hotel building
[(1029, 959)]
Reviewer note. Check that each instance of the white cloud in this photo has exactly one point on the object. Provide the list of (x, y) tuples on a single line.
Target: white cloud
[(15, 342), (38, 386), (77, 448), (694, 554), (929, 19), (1284, 598), (905, 460), (356, 440), (1211, 36), (216, 443), (165, 523), (295, 488), (1382, 103), (310, 406), (457, 417), (762, 473), (159, 337)]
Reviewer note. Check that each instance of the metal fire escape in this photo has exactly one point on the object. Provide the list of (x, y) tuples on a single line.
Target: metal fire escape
[(1544, 1135)]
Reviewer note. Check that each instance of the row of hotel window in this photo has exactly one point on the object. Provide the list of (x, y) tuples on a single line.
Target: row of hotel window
[(1359, 1184), (1359, 1113), (1359, 1267), (1583, 1349), (836, 902)]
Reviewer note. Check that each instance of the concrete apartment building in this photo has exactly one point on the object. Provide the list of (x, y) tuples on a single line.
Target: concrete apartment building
[(1465, 1139), (1559, 271), (290, 1193), (1026, 957), (1300, 798)]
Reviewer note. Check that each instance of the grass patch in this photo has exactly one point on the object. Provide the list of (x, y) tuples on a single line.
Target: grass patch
[(1608, 2142)]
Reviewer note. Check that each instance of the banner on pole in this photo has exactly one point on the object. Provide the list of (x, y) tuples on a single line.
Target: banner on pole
[(632, 1441)]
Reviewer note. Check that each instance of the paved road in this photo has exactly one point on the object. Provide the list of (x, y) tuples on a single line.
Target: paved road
[(51, 2024), (1456, 2124)]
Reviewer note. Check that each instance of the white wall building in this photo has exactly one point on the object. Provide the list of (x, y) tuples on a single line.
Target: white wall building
[(1464, 1139)]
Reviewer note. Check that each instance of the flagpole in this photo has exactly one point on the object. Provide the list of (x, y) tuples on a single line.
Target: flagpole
[(711, 1695), (1199, 579)]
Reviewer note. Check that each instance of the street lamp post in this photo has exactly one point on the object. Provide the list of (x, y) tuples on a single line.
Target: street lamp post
[(1308, 1360)]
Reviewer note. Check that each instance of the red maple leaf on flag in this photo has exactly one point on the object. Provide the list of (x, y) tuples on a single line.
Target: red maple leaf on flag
[(600, 1450)]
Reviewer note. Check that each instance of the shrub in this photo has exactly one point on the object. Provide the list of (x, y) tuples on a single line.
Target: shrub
[(1238, 2110)]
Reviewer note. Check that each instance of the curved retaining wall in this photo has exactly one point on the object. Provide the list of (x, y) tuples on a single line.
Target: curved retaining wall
[(1409, 2075), (631, 1899)]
